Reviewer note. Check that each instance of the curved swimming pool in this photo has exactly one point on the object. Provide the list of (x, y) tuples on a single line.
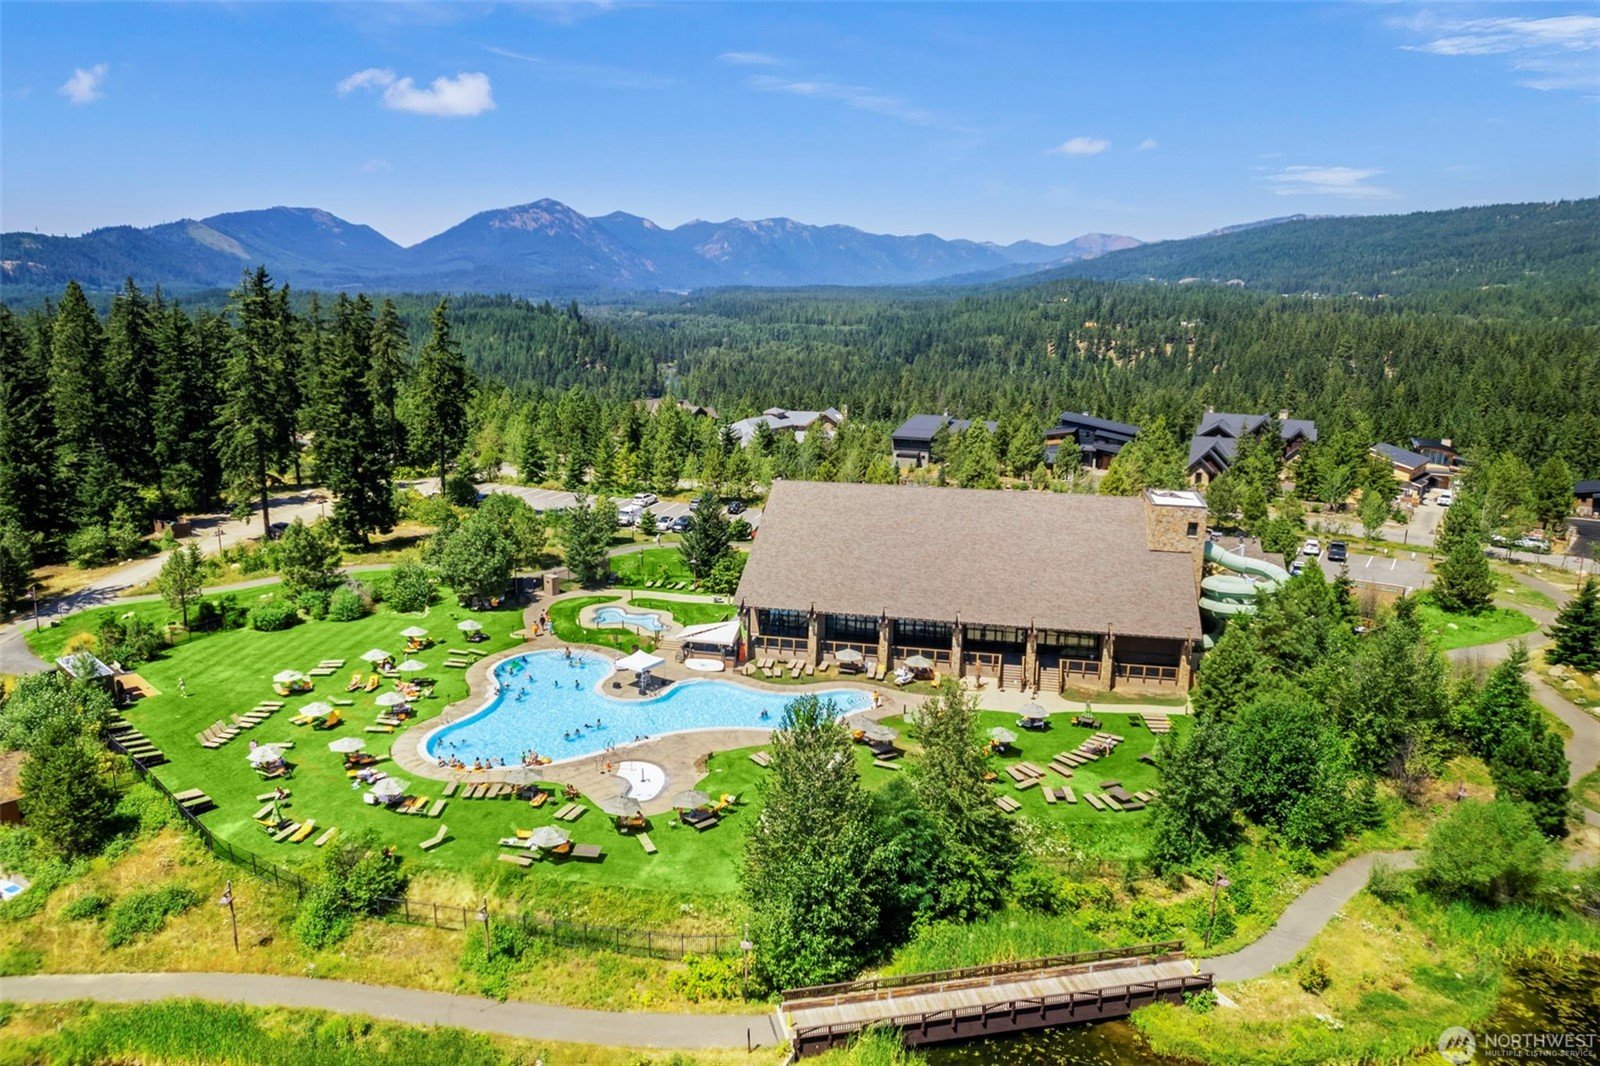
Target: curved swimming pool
[(616, 616), (554, 705)]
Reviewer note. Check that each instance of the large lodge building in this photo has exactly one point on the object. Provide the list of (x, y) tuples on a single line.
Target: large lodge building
[(1039, 590)]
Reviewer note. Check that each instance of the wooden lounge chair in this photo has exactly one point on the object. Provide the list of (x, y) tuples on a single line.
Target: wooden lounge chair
[(884, 764), (263, 797), (380, 729), (515, 860), (1112, 802), (539, 798), (304, 831), (647, 844), (761, 759), (373, 681), (587, 852), (1067, 794), (328, 834), (435, 840), (1049, 795), (578, 811), (1094, 801), (343, 703), (283, 834), (449, 789), (1026, 783)]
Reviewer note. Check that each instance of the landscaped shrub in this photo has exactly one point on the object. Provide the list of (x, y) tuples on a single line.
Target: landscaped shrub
[(706, 977), (273, 615), (146, 912), (323, 919), (1387, 883), (89, 546), (346, 605), (1040, 891), (1314, 977), (314, 602), (90, 905), (411, 587), (511, 950)]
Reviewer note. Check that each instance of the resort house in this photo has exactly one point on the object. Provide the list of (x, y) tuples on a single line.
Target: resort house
[(1096, 440), (1417, 472), (793, 423), (1021, 589), (1586, 498), (912, 441), (1216, 442)]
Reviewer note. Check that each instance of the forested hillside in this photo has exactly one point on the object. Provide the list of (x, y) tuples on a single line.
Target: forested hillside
[(1556, 245)]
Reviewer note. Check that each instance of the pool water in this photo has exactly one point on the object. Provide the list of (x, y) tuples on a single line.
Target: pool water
[(556, 706), (616, 616)]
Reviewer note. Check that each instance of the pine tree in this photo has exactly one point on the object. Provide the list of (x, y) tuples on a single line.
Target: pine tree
[(130, 375), (16, 565), (438, 394), (707, 540), (80, 399), (66, 803), (254, 424), (28, 495), (1230, 674), (1195, 816), (352, 447), (182, 406), (1576, 631), (1530, 765), (586, 531), (181, 578), (1463, 582), (386, 378)]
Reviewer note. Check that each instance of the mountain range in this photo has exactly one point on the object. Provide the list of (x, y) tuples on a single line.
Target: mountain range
[(539, 248)]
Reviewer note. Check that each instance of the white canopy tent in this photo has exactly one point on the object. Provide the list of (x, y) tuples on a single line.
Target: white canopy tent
[(640, 662), (719, 634)]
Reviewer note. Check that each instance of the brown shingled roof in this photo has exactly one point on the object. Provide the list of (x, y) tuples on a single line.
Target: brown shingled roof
[(986, 557)]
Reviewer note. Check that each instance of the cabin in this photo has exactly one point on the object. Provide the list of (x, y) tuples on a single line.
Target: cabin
[(912, 441), (783, 422), (1098, 440), (694, 410), (1586, 498), (1215, 444)]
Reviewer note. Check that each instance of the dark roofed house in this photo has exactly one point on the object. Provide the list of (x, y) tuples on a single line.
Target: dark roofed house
[(1215, 444), (1586, 495), (796, 424), (1098, 439), (1417, 471), (912, 441), (1031, 590), (1441, 450)]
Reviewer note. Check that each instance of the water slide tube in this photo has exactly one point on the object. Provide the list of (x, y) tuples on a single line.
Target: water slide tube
[(1225, 595)]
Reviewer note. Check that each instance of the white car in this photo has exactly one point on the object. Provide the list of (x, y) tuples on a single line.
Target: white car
[(1313, 548), (1445, 497), (645, 499)]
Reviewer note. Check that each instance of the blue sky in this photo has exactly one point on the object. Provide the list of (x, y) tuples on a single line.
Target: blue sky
[(983, 121)]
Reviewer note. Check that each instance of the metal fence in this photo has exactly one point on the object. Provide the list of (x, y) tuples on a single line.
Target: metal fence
[(624, 939)]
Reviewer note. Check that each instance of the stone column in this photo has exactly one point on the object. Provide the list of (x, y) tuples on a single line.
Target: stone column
[(1108, 650), (752, 630), (1030, 660), (813, 643), (884, 627), (1185, 666), (956, 665)]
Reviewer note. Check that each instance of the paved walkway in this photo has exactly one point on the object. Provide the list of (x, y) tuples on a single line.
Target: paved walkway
[(534, 1021)]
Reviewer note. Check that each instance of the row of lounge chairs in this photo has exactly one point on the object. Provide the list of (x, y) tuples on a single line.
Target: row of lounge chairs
[(255, 716), (194, 801), (134, 743), (327, 668), (217, 734), (668, 585)]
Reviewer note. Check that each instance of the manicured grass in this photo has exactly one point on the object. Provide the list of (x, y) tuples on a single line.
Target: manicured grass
[(635, 568), (1513, 593), (1451, 630), (564, 622), (688, 612)]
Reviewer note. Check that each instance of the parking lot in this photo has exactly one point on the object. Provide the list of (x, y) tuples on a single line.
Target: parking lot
[(1408, 569)]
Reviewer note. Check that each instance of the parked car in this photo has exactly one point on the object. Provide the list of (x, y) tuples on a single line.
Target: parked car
[(627, 518), (276, 530), (1445, 497), (664, 524), (681, 524), (1338, 551), (1313, 548), (1297, 568), (1533, 542), (646, 499), (736, 507)]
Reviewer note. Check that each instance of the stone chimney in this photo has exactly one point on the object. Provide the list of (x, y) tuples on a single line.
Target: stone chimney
[(1175, 521)]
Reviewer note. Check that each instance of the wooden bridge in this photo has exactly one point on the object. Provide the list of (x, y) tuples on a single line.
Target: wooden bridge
[(932, 1008)]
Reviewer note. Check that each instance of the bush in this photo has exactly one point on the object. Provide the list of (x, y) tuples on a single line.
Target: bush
[(89, 546), (1488, 851), (1201, 1002), (314, 602), (1040, 891), (411, 587), (459, 490), (273, 616), (1314, 977), (323, 919), (91, 905), (1388, 884), (347, 604), (706, 977), (147, 912)]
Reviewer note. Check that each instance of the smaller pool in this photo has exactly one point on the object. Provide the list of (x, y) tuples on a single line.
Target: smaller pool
[(9, 890), (616, 616)]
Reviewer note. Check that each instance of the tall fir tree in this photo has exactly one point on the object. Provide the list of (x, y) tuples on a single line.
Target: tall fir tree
[(1575, 634), (386, 378), (130, 372), (352, 448), (438, 395), (80, 398), (255, 424), (28, 496)]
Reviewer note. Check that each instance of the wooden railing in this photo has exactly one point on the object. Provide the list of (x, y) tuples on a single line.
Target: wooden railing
[(940, 656), (1080, 667), (780, 645), (1144, 672)]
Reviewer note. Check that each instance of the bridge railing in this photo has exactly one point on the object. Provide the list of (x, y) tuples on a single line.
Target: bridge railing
[(969, 973)]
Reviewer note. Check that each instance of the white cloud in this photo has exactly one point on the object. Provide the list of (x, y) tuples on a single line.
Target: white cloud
[(1549, 50), (750, 59), (857, 96), (84, 85), (1348, 183), (462, 96), (376, 166), (1081, 146), (1149, 144)]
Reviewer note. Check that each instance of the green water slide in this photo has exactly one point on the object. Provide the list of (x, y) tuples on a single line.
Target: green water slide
[(1226, 595)]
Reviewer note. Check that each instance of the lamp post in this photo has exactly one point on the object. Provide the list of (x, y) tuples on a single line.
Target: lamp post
[(233, 917), (747, 947), (1218, 882), (483, 916)]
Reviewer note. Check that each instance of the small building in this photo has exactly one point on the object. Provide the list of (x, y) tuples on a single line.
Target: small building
[(1215, 444), (82, 666), (912, 441), (697, 410), (1024, 590), (791, 423), (11, 787), (1098, 440), (1586, 498)]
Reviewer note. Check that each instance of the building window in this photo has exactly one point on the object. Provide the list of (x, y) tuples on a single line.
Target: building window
[(1071, 645), (1194, 529), (920, 633), (993, 635), (778, 623), (851, 627)]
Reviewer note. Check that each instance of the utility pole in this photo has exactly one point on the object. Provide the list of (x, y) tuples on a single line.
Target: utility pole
[(233, 917), (483, 916)]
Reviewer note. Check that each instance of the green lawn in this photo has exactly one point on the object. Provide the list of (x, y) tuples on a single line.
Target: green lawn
[(688, 612), (635, 568), (1452, 630), (564, 622)]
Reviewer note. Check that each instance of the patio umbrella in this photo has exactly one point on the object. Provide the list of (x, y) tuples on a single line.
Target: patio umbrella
[(376, 655), (878, 731), (548, 836), (624, 805), (848, 655), (411, 666), (1001, 735), (284, 677), (316, 709), (413, 632), (347, 745), (266, 755), (919, 662), (1032, 710), (690, 799), (469, 625), (521, 775), (390, 699), (389, 788)]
